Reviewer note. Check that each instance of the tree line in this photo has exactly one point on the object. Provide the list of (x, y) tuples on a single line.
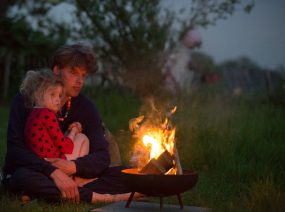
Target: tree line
[(129, 37)]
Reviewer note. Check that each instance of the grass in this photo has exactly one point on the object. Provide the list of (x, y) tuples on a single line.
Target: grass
[(236, 145)]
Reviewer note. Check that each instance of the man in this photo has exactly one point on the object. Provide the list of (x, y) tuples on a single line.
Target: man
[(26, 173)]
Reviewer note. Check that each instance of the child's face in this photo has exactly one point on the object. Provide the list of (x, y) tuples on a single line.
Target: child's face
[(52, 98)]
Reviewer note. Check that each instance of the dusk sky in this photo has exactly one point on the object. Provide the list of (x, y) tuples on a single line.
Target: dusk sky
[(260, 35)]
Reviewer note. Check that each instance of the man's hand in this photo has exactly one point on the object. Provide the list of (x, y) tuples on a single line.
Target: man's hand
[(68, 167), (66, 185)]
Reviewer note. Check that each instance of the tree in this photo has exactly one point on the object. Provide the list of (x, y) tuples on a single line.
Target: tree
[(22, 46), (134, 34), (207, 12), (129, 34)]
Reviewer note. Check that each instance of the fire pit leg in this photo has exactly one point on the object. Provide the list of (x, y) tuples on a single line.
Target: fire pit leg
[(130, 199), (161, 202), (180, 201)]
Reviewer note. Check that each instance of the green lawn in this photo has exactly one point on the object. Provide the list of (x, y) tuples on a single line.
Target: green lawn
[(236, 145)]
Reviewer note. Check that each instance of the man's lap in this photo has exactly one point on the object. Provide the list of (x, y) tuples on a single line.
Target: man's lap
[(38, 185), (110, 182)]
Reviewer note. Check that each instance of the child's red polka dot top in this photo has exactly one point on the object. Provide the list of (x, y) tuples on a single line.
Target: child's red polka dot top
[(44, 136)]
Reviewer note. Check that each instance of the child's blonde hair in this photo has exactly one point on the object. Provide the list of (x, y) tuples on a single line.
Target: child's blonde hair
[(38, 81)]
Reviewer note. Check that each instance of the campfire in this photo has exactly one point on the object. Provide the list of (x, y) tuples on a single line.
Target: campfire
[(156, 151), (158, 170)]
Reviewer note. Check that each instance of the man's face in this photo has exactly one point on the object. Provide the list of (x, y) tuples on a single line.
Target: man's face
[(73, 79)]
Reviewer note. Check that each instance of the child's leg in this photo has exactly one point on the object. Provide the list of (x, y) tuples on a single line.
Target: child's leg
[(81, 147)]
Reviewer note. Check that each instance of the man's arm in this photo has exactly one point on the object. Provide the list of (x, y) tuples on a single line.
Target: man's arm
[(93, 164), (68, 188), (18, 154)]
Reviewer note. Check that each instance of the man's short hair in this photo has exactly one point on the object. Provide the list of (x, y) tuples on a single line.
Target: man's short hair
[(75, 55)]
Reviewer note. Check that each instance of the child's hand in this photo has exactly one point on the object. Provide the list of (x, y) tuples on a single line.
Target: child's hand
[(75, 126)]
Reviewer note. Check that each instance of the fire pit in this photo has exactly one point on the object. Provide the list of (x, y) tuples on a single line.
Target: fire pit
[(159, 172), (159, 185)]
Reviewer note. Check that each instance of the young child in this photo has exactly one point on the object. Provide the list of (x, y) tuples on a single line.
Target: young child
[(43, 94)]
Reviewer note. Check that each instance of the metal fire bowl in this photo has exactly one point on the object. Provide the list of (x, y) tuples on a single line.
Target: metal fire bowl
[(159, 185)]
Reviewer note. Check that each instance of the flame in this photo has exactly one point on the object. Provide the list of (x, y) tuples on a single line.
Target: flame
[(159, 140), (154, 137), (155, 146)]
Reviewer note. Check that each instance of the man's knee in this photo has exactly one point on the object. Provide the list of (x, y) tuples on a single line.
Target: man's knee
[(20, 179), (21, 176), (33, 184)]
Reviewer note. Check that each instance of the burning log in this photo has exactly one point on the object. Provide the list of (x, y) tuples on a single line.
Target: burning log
[(161, 165), (177, 164)]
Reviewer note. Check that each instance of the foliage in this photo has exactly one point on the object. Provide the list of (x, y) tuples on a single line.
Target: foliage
[(135, 35), (24, 46), (202, 63), (205, 13), (240, 64), (131, 34)]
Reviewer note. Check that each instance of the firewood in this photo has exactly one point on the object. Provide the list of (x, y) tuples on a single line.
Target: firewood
[(160, 165)]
